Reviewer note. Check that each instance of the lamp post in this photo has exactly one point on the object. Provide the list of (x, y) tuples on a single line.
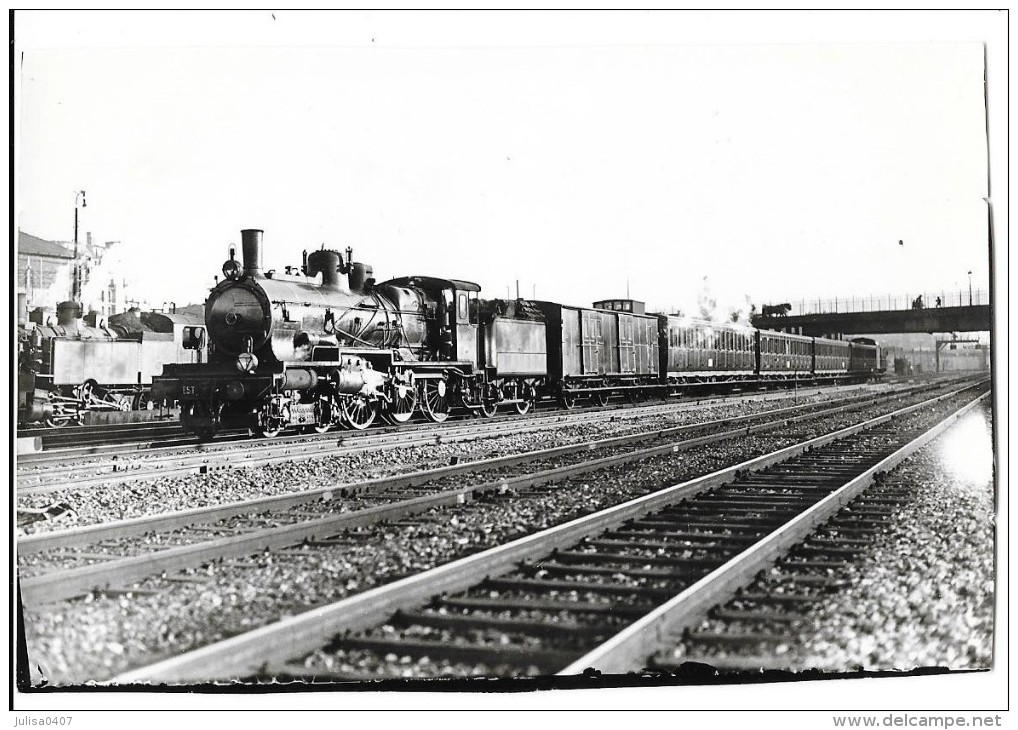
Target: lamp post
[(970, 288), (75, 274)]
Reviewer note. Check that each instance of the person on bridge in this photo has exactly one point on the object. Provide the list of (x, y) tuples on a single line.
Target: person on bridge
[(918, 303), (938, 302)]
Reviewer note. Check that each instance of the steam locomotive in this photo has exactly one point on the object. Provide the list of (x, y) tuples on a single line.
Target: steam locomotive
[(79, 365), (327, 346)]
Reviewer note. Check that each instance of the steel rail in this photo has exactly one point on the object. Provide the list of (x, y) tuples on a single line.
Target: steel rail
[(252, 652), (628, 650), (73, 537), (143, 448), (300, 448), (66, 583), (206, 461)]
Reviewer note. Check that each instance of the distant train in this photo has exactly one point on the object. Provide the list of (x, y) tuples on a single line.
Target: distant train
[(328, 346), (72, 367)]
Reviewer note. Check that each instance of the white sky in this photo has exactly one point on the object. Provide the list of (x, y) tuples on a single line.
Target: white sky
[(776, 171)]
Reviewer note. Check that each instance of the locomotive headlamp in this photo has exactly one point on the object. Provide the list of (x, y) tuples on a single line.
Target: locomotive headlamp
[(231, 269), (247, 362)]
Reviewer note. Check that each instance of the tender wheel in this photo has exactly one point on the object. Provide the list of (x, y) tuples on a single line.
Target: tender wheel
[(524, 406), (568, 401), (404, 401), (359, 412), (600, 398), (489, 408), (322, 428)]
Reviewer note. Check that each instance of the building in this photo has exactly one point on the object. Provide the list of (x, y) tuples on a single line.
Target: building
[(46, 275)]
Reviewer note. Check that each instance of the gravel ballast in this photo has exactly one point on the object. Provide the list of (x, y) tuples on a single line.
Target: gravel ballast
[(128, 499), (921, 594), (100, 636), (923, 597)]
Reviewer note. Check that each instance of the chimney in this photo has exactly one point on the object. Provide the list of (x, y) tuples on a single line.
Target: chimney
[(251, 248), (327, 263)]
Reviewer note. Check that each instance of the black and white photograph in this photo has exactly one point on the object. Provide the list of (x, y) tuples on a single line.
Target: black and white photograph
[(385, 356)]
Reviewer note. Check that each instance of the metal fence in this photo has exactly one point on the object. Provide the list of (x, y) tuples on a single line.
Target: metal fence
[(891, 302)]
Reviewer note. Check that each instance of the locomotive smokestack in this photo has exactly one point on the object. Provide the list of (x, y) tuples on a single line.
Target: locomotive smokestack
[(251, 249)]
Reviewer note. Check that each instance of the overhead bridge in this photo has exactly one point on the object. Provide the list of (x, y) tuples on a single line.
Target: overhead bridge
[(966, 312)]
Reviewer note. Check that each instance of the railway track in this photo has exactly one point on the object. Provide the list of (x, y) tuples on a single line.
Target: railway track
[(540, 604), (52, 472), (76, 567), (756, 627), (98, 440)]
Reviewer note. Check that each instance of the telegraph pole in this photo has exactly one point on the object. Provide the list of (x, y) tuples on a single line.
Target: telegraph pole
[(76, 271)]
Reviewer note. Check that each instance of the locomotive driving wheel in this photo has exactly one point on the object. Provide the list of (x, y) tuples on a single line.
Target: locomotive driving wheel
[(61, 420), (490, 396), (359, 412), (142, 401), (404, 401), (435, 400), (86, 391), (523, 407)]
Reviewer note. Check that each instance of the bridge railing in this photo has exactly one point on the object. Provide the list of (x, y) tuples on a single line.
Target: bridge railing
[(891, 302)]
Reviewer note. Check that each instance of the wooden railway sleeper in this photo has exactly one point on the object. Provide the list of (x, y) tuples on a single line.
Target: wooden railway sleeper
[(751, 532), (555, 568), (742, 614), (472, 653), (475, 620), (614, 608), (534, 585), (581, 558), (694, 541), (744, 637)]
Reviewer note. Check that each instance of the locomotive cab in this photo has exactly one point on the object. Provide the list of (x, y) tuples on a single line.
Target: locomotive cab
[(452, 331)]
